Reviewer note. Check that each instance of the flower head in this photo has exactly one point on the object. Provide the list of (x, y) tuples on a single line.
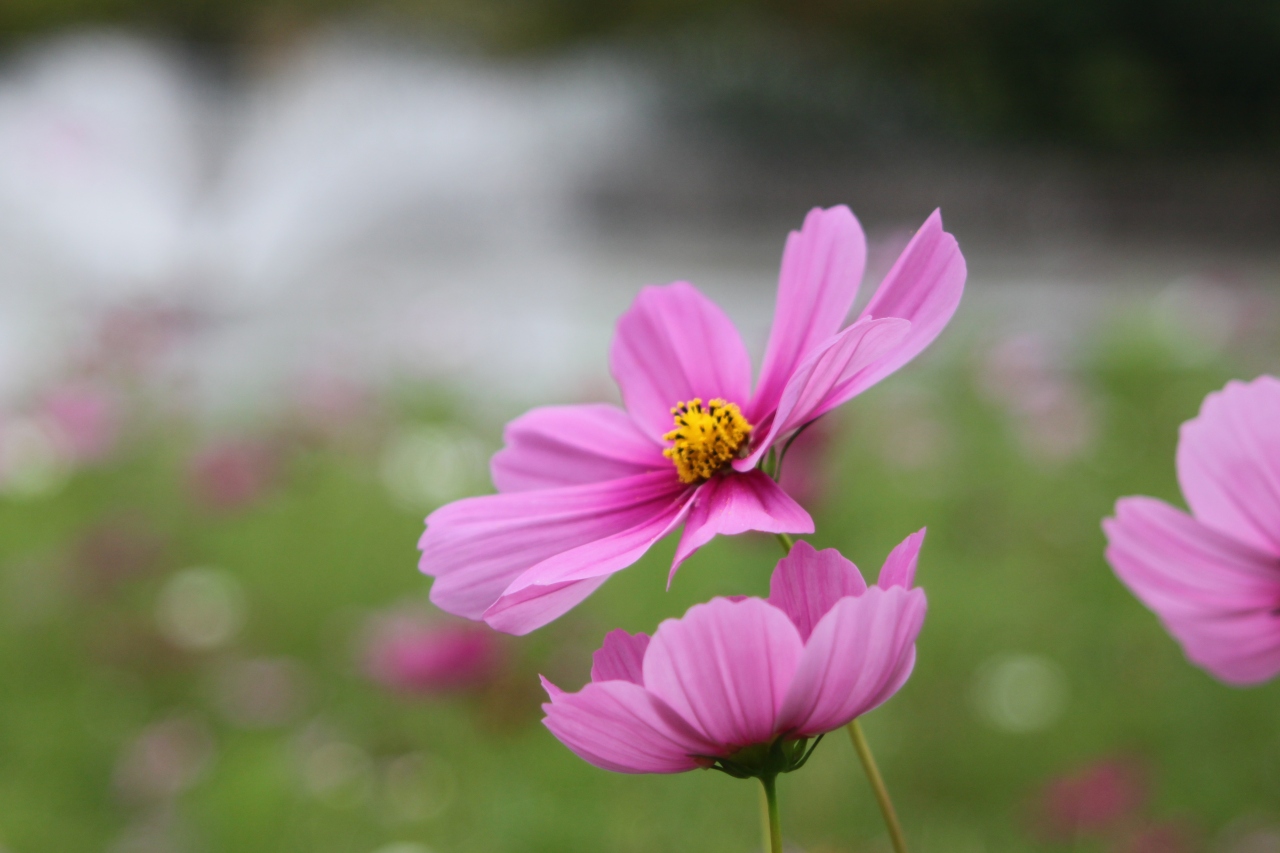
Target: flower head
[(585, 490), (744, 684), (1213, 576)]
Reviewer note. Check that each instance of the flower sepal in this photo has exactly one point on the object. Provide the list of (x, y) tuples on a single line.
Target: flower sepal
[(766, 760)]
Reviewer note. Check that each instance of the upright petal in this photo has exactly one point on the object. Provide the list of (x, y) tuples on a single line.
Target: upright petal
[(1229, 462), (735, 503), (924, 287), (567, 445), (820, 383), (1216, 595), (858, 656), (674, 344), (621, 658), (807, 583), (476, 547), (554, 586), (618, 726), (725, 668), (899, 567), (822, 265)]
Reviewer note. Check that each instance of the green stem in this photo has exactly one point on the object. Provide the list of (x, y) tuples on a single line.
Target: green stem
[(877, 785), (787, 542), (771, 813)]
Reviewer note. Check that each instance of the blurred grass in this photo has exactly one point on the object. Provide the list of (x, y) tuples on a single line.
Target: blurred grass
[(1012, 564)]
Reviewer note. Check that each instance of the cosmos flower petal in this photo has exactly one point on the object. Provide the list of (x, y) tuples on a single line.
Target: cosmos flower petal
[(923, 287), (822, 266), (621, 658), (619, 726), (476, 547), (1215, 594), (567, 445), (557, 584), (728, 505), (807, 583), (1229, 462), (674, 344), (725, 668), (899, 567), (817, 381), (858, 655)]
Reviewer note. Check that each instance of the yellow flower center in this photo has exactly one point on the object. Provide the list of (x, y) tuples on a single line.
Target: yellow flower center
[(705, 439)]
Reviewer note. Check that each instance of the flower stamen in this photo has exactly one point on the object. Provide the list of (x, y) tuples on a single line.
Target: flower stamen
[(705, 439)]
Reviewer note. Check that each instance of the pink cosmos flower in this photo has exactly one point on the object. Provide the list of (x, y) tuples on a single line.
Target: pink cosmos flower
[(1092, 801), (1213, 577), (585, 490), (741, 684)]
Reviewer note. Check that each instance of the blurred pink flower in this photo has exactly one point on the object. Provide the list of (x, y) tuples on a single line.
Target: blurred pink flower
[(585, 490), (1091, 800), (1051, 412), (85, 421), (165, 759), (806, 476), (742, 683), (1213, 577), (416, 656), (231, 474)]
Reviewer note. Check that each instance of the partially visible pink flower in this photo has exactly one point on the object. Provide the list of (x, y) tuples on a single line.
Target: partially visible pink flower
[(410, 655), (85, 421), (1213, 577), (585, 490), (1092, 800), (741, 684), (231, 474)]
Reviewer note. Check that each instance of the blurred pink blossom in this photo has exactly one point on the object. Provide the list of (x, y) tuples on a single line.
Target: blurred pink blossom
[(1052, 414), (85, 420), (233, 473), (806, 474), (1091, 800), (414, 654), (164, 760)]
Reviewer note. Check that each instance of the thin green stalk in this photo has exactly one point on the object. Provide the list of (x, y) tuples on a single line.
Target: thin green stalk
[(877, 785), (771, 813), (787, 542)]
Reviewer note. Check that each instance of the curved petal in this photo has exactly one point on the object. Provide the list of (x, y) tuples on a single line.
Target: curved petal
[(818, 384), (556, 446), (858, 656), (476, 547), (559, 583), (924, 287), (1229, 462), (674, 344), (807, 583), (1216, 595), (618, 726), (735, 503), (725, 668), (899, 567), (822, 266), (621, 658)]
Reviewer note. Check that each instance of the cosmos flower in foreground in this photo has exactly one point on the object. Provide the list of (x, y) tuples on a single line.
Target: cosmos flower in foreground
[(742, 685), (1213, 577), (585, 490)]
